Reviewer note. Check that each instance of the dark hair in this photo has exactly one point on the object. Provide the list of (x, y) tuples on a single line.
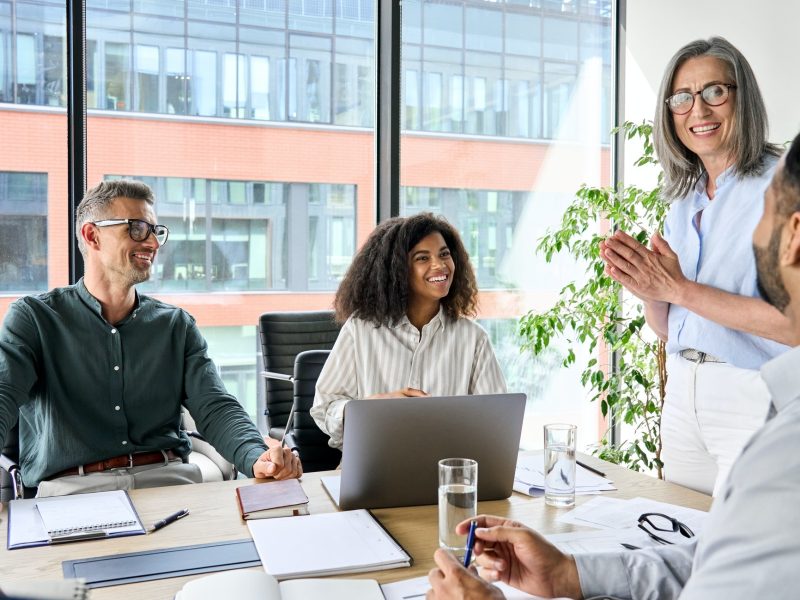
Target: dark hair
[(789, 180), (749, 144), (375, 287)]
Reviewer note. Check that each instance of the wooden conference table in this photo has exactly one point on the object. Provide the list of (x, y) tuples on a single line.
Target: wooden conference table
[(214, 517)]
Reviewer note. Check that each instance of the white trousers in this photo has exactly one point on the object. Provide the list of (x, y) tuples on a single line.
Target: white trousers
[(146, 476), (710, 412)]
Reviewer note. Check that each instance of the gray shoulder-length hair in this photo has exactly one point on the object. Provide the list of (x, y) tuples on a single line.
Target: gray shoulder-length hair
[(749, 144)]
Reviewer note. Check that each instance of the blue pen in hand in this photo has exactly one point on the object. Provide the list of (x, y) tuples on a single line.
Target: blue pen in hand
[(470, 543)]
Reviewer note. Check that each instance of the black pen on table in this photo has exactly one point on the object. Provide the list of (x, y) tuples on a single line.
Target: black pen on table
[(170, 519), (592, 469)]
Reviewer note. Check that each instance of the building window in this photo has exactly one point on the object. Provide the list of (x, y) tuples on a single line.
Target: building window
[(252, 235), (23, 232)]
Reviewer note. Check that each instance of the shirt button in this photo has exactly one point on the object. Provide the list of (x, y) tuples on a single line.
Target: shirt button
[(124, 443), (116, 408), (113, 331), (116, 367)]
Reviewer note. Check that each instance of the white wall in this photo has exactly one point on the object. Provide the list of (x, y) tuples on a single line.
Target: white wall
[(766, 31)]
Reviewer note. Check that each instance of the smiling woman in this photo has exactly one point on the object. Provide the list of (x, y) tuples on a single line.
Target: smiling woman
[(698, 281), (406, 303)]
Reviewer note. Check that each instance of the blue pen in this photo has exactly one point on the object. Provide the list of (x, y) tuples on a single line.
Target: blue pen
[(470, 543)]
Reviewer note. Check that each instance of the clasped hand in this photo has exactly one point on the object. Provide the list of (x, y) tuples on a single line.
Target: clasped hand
[(278, 462), (651, 274)]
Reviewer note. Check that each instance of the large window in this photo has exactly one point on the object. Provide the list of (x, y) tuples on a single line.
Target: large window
[(254, 120), (505, 114)]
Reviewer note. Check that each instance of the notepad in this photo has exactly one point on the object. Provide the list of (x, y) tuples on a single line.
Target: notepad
[(325, 544), (40, 521)]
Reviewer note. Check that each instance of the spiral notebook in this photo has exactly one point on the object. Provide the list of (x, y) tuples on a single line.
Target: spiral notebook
[(42, 521)]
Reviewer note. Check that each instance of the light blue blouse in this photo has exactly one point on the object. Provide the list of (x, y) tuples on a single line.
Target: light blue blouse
[(720, 254)]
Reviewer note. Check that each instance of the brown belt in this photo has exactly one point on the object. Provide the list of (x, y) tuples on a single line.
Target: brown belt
[(126, 461)]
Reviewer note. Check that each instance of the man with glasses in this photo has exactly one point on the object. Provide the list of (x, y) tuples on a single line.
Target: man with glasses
[(98, 373), (749, 546)]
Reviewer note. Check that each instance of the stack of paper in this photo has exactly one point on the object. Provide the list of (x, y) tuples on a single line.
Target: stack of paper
[(529, 478)]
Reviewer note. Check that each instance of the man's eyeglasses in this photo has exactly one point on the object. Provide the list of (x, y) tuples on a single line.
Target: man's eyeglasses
[(138, 230), (651, 523), (715, 94)]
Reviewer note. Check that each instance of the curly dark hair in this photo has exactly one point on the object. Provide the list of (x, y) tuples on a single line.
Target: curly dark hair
[(375, 287)]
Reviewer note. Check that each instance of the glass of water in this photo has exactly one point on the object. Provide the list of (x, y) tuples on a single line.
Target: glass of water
[(458, 500), (559, 464)]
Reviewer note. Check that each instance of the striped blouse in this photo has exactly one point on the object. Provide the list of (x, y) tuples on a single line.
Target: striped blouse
[(448, 358)]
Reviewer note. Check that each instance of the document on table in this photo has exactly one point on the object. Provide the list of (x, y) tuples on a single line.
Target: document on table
[(614, 513), (416, 588), (529, 478), (605, 540)]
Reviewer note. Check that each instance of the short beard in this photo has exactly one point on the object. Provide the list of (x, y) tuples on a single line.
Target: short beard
[(135, 276), (769, 281)]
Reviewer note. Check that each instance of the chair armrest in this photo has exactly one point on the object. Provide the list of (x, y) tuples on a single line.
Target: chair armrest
[(274, 375), (11, 467), (8, 464)]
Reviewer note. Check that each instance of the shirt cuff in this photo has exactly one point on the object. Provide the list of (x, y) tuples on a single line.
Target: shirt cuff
[(250, 459), (603, 574), (334, 421)]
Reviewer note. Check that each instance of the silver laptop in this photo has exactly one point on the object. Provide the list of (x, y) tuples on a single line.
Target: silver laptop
[(392, 446)]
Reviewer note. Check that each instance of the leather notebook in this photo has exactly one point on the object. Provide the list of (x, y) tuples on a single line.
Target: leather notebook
[(272, 499)]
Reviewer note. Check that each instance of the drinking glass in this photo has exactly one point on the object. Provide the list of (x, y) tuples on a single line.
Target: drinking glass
[(458, 500), (559, 464)]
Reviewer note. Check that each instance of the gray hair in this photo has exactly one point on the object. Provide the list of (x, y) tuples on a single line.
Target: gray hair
[(749, 144), (96, 201)]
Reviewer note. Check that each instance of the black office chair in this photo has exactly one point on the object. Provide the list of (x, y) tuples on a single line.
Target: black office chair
[(284, 335), (304, 434)]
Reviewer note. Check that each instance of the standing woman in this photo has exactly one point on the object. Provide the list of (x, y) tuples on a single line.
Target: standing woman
[(698, 282), (405, 303)]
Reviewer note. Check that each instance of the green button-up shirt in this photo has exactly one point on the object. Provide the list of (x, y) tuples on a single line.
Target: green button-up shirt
[(86, 390)]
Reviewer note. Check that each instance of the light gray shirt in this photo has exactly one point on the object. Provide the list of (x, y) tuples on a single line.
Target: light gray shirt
[(750, 546), (447, 358)]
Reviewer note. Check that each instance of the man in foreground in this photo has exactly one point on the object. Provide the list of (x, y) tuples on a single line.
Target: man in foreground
[(749, 546), (98, 373)]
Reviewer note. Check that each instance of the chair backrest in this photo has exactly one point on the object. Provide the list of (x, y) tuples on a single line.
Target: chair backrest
[(309, 440), (283, 336)]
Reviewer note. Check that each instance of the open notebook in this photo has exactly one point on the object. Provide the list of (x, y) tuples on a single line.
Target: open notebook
[(41, 521)]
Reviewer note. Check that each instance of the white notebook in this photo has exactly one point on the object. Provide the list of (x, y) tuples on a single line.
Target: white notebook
[(257, 585), (325, 544), (39, 521)]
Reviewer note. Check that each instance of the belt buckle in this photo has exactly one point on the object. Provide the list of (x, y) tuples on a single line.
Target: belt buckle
[(130, 462), (701, 357)]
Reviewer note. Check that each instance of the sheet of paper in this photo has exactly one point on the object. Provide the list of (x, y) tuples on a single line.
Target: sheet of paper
[(614, 513), (332, 483), (529, 478), (606, 540), (328, 543), (416, 588)]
